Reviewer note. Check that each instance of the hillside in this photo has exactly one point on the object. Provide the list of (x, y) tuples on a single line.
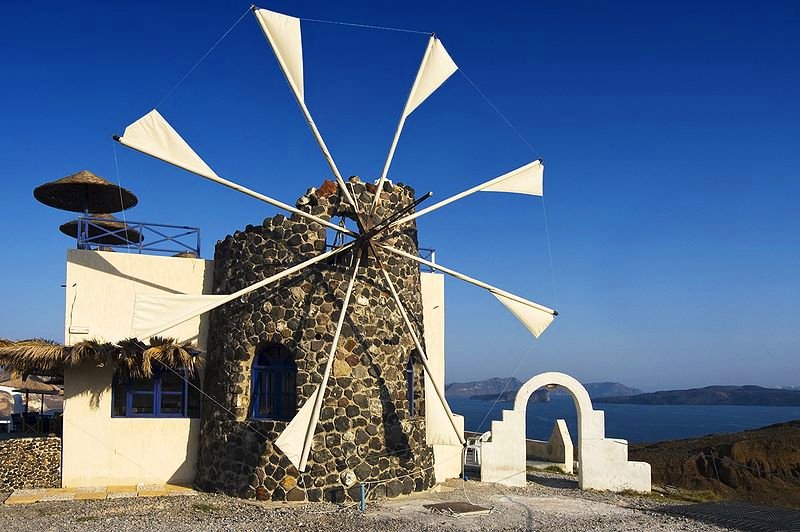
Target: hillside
[(489, 389), (494, 385), (539, 396), (761, 465), (713, 395), (604, 389)]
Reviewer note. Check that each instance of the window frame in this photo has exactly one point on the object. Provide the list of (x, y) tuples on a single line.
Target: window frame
[(410, 382), (156, 393), (269, 371)]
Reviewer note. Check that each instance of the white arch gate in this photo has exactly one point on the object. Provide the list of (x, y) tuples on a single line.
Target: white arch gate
[(603, 462)]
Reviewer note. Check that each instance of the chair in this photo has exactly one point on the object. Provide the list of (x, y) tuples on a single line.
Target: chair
[(472, 452), (31, 423), (16, 422)]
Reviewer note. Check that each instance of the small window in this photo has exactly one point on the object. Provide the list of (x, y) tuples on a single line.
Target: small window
[(410, 385), (414, 386), (274, 384), (169, 393)]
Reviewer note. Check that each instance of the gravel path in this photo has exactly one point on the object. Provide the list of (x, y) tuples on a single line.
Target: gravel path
[(551, 502)]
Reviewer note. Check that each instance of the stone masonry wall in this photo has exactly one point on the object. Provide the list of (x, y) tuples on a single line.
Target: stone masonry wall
[(365, 432), (27, 463)]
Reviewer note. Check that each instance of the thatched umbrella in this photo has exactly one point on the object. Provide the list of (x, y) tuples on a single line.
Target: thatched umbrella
[(85, 192), (31, 384), (123, 235)]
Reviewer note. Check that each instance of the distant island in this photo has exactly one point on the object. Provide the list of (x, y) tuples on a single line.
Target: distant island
[(505, 389), (494, 385), (712, 395)]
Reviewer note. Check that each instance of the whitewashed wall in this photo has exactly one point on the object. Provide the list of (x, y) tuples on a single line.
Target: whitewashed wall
[(99, 449), (447, 458)]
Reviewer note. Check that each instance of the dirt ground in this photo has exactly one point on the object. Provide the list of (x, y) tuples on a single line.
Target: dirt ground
[(550, 501)]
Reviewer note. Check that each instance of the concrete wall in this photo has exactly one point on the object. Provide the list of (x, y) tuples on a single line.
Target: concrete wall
[(447, 458), (101, 287), (99, 449), (558, 449)]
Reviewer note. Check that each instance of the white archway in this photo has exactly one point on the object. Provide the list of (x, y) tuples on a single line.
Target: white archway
[(603, 462)]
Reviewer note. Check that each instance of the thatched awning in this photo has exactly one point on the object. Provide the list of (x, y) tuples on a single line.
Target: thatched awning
[(130, 357)]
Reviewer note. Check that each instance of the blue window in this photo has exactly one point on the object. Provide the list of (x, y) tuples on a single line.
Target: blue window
[(169, 393), (274, 384)]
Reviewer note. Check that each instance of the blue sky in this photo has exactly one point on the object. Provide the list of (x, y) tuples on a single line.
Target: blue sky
[(669, 133)]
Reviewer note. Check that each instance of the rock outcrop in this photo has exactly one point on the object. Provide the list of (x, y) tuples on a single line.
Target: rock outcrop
[(761, 465)]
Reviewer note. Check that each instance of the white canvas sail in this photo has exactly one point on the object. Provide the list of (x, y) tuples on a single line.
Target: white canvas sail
[(152, 311), (433, 72), (291, 440), (535, 319), (153, 135), (528, 179), (283, 34)]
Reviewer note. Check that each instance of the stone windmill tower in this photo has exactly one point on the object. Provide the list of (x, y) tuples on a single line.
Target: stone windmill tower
[(371, 425), (308, 382)]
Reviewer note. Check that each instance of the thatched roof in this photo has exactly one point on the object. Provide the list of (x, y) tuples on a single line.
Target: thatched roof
[(130, 357), (121, 233), (85, 191)]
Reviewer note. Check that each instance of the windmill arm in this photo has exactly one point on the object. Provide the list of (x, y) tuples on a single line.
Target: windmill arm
[(218, 301), (534, 316), (312, 425), (263, 17), (469, 191), (423, 357), (400, 125), (235, 186)]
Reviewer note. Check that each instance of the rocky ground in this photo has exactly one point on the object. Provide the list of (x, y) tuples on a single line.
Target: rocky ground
[(549, 501)]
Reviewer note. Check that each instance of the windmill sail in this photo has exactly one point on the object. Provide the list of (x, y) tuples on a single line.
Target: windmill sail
[(435, 68), (291, 439), (535, 319), (283, 34), (434, 71), (152, 311), (528, 179), (534, 316), (153, 135)]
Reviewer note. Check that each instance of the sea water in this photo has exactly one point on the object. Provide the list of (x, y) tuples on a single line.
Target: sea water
[(635, 423)]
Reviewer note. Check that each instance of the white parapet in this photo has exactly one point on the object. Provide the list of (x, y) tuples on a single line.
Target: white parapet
[(603, 462)]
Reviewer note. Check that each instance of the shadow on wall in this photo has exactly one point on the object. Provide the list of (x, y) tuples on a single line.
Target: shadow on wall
[(88, 382)]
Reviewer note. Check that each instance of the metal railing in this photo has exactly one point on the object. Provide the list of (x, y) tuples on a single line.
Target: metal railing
[(93, 233), (428, 254)]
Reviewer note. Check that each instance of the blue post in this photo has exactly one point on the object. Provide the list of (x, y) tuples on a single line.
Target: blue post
[(363, 499)]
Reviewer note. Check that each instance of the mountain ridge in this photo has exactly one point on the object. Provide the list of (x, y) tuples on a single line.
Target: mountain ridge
[(506, 388), (748, 395)]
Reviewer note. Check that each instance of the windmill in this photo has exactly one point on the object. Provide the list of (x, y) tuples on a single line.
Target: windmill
[(154, 136)]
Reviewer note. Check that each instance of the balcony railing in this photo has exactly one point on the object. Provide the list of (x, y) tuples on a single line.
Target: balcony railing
[(95, 233)]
